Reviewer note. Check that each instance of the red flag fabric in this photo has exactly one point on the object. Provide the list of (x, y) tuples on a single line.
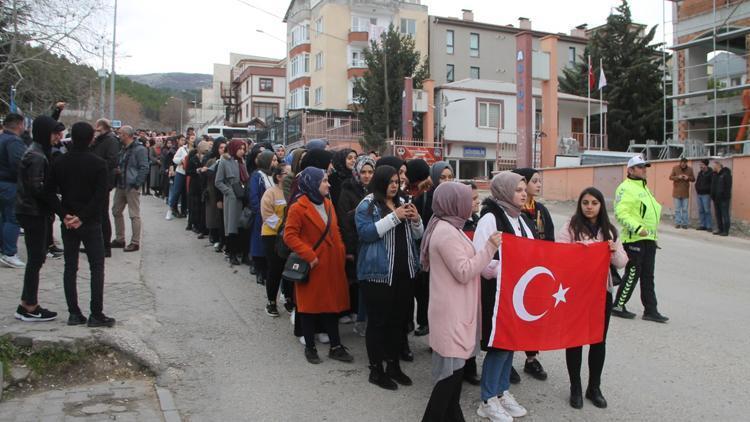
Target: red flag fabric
[(592, 81), (551, 295)]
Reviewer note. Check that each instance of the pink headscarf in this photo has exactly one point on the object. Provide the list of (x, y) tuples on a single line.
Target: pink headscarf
[(451, 202)]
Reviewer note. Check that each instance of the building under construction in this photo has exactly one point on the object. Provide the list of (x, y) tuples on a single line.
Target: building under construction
[(709, 76)]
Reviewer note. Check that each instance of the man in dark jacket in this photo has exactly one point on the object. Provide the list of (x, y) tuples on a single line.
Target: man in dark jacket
[(106, 146), (80, 177), (703, 189), (34, 207), (131, 173), (12, 147), (721, 193)]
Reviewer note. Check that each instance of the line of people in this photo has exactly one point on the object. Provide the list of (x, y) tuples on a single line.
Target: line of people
[(386, 240)]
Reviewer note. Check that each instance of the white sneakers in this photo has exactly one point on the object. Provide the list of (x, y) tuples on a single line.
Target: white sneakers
[(494, 411), (510, 404), (501, 409), (169, 215), (320, 337), (12, 261)]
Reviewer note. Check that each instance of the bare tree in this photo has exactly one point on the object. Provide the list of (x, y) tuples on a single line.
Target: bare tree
[(170, 113), (66, 28), (129, 111)]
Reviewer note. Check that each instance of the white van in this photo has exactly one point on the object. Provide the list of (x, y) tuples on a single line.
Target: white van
[(227, 132)]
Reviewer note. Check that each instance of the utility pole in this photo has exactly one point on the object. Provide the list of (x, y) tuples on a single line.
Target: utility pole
[(385, 84), (112, 80)]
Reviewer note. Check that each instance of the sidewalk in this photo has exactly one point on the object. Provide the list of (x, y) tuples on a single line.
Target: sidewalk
[(128, 300)]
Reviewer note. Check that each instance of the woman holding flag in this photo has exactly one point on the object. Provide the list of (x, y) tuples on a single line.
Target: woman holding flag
[(590, 224), (454, 295), (501, 212)]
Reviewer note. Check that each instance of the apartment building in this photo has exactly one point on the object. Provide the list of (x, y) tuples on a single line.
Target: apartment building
[(466, 49), (326, 40), (711, 45), (259, 86)]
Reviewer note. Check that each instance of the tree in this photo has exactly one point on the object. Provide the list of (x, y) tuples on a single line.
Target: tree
[(33, 31), (634, 88), (129, 111), (398, 54), (170, 112)]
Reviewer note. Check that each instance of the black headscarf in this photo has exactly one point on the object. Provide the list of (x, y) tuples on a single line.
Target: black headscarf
[(390, 160), (318, 158), (339, 163)]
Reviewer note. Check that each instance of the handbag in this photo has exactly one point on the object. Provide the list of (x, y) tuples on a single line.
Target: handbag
[(296, 269), (239, 190), (247, 217)]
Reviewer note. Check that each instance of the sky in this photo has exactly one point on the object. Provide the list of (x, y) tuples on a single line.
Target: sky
[(155, 36)]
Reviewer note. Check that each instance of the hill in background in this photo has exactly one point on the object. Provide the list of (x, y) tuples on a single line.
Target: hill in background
[(174, 81)]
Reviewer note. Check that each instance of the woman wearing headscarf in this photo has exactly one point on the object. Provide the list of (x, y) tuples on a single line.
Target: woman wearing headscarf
[(343, 166), (590, 224), (455, 268), (260, 182), (387, 264), (440, 172), (353, 190), (542, 221), (310, 216), (214, 198), (154, 181), (231, 177), (194, 171), (501, 212)]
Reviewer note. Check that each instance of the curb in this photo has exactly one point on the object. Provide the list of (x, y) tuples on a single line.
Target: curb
[(166, 403)]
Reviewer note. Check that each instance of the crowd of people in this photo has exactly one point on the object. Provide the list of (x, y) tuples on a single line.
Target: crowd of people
[(335, 237)]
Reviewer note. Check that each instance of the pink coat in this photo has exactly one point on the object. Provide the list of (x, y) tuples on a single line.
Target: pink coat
[(455, 291), (619, 256)]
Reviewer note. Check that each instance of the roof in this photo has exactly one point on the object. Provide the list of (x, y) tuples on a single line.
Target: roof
[(503, 28), (508, 88)]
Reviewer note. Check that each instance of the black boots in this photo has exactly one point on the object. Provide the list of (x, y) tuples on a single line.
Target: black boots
[(595, 395), (576, 397), (393, 370), (379, 378)]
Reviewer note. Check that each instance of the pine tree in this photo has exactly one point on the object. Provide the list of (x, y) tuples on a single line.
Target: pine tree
[(634, 89), (402, 60)]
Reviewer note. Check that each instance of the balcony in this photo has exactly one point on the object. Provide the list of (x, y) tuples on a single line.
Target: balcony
[(705, 109), (357, 36)]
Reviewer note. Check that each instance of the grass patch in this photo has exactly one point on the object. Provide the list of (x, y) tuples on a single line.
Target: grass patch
[(41, 362), (8, 353)]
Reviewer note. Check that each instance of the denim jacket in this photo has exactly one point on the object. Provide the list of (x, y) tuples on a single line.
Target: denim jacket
[(373, 258)]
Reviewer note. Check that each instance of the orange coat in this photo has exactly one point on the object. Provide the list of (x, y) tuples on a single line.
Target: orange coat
[(327, 289)]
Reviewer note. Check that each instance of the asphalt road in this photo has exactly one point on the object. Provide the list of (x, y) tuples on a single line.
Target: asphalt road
[(229, 361)]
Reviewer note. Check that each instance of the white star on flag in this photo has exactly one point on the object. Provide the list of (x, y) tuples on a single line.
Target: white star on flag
[(560, 295)]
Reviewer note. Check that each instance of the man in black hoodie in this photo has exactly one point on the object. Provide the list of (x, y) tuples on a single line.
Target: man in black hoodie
[(34, 207), (80, 177)]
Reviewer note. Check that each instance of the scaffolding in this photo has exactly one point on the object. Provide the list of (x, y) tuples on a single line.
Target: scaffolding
[(707, 75)]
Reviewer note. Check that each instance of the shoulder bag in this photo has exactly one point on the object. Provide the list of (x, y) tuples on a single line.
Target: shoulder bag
[(296, 269)]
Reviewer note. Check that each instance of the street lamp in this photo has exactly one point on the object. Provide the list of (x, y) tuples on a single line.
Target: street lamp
[(260, 31)]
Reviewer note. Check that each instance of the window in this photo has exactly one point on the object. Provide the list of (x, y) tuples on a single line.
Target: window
[(474, 45), (318, 26), (247, 86), (300, 65), (449, 40), (247, 111), (300, 97), (318, 95), (353, 97), (266, 84), (489, 114), (300, 34), (362, 23), (474, 72), (450, 74), (409, 27), (357, 59), (265, 111), (571, 55), (319, 61)]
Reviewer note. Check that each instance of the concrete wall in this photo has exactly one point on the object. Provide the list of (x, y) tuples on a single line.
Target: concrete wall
[(565, 184)]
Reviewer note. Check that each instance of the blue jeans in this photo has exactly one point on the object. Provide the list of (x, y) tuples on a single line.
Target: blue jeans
[(681, 211), (9, 228), (704, 210), (496, 373), (177, 190)]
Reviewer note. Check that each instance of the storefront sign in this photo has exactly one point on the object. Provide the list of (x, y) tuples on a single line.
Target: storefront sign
[(475, 152), (431, 155)]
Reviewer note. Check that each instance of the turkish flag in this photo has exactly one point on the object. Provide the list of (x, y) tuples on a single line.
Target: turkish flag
[(551, 295)]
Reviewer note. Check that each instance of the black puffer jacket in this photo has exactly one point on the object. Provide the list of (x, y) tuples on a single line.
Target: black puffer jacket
[(107, 147), (350, 196), (32, 197)]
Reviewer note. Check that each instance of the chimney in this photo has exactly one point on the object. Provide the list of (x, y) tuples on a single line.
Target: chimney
[(524, 23), (468, 15), (579, 31)]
